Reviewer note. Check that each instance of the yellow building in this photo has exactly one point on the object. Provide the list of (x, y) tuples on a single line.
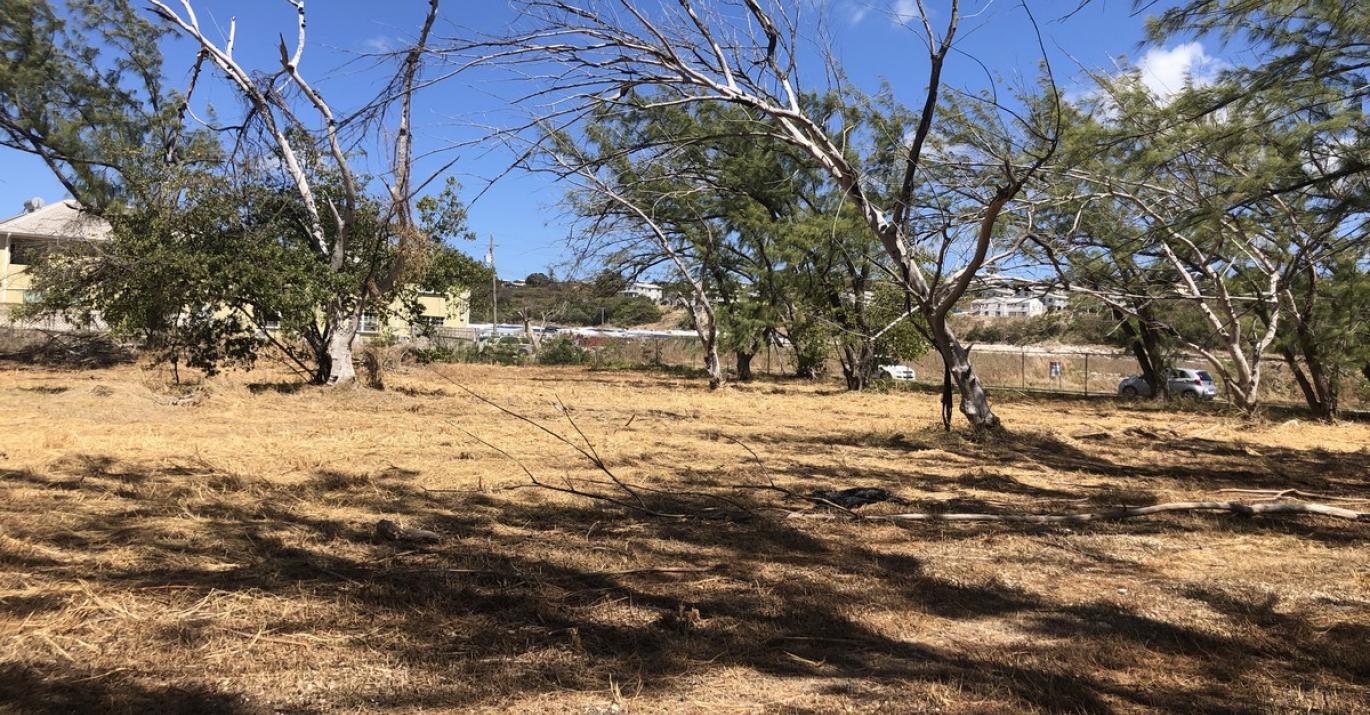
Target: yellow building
[(26, 238)]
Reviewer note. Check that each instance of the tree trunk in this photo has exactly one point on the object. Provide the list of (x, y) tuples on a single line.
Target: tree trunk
[(713, 365), (858, 365), (707, 330), (1319, 384), (1310, 395), (850, 370), (339, 369), (1146, 348), (808, 358), (1151, 346), (956, 359), (744, 366)]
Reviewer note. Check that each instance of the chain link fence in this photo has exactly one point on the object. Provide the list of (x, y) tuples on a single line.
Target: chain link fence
[(1066, 371)]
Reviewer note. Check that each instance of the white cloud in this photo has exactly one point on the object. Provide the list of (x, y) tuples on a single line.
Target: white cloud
[(1166, 71), (379, 43), (904, 11), (856, 12)]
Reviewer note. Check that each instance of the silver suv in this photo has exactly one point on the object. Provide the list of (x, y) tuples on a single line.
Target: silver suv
[(1185, 383)]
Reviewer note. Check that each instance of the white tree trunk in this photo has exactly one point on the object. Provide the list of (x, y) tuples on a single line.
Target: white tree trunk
[(974, 400), (340, 368), (707, 329)]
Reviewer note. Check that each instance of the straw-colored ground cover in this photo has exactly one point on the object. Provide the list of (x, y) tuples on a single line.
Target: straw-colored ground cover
[(217, 554)]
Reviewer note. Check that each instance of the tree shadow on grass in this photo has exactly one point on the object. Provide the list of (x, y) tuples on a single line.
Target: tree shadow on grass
[(1191, 462), (283, 387), (530, 597), (68, 688)]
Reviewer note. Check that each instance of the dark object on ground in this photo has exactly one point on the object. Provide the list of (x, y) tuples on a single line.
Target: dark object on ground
[(62, 349), (855, 497), (391, 531)]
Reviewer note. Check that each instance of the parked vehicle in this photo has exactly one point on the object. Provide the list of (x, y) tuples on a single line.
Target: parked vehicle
[(1185, 383), (898, 373)]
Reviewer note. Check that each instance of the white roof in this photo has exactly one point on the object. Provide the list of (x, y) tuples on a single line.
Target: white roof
[(62, 219)]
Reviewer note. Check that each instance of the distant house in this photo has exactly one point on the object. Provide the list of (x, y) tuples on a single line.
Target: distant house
[(1010, 303), (651, 291), (26, 238)]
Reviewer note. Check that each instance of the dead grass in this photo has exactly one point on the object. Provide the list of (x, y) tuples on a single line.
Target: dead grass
[(159, 554)]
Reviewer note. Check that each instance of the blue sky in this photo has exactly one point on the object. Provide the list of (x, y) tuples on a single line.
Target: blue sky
[(521, 211)]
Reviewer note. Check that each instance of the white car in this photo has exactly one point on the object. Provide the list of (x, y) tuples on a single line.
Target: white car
[(898, 373), (1184, 383)]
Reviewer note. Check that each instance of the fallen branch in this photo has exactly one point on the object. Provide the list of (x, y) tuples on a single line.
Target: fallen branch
[(772, 486), (1286, 493), (632, 499), (1239, 508), (505, 573), (391, 531)]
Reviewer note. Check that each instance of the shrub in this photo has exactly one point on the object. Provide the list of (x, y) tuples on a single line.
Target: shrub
[(562, 351), (460, 352)]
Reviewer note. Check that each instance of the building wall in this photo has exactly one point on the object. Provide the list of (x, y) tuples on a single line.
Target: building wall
[(1007, 307), (454, 313), (14, 278)]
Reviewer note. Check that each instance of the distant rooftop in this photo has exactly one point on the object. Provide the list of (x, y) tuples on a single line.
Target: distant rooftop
[(61, 219)]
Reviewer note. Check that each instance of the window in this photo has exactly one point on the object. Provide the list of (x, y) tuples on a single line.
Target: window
[(26, 252), (370, 323), (269, 319), (431, 321)]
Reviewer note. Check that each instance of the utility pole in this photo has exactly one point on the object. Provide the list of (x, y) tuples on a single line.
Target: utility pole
[(494, 288)]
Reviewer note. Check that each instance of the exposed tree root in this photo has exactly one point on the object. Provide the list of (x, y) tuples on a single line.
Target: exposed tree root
[(1239, 508)]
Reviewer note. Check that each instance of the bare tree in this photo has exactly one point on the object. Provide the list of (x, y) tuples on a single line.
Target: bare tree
[(583, 54), (331, 224), (1144, 222), (1223, 270)]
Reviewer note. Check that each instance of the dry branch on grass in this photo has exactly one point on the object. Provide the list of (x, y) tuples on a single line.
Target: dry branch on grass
[(683, 509), (682, 504), (1285, 493), (1235, 507), (391, 531), (821, 500)]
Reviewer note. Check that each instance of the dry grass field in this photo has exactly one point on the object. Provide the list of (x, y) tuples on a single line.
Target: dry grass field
[(217, 553)]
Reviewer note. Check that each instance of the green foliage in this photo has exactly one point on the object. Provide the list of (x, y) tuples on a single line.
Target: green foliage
[(630, 311), (442, 216), (83, 90), (608, 283), (564, 303), (562, 351), (197, 280), (449, 271), (905, 340), (507, 350), (447, 353)]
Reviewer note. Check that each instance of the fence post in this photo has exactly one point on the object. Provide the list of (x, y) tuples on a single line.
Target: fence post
[(1086, 374), (1023, 355)]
